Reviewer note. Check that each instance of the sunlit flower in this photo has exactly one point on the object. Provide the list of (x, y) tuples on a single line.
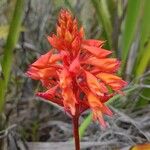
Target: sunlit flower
[(77, 72)]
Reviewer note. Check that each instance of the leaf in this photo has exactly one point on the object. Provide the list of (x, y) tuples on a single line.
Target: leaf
[(144, 60), (103, 15), (145, 26), (85, 125), (144, 45), (131, 21), (12, 39), (143, 55)]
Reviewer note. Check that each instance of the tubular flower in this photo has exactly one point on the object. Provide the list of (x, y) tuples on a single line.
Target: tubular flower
[(77, 72)]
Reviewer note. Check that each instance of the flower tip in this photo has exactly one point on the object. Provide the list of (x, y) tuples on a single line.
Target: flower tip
[(49, 38), (125, 83), (39, 94), (110, 113), (63, 11), (42, 95), (102, 123), (28, 74), (121, 93), (73, 111)]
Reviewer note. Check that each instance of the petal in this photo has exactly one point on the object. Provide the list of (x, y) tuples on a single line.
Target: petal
[(98, 52), (115, 82), (50, 81), (82, 32), (97, 115), (38, 74), (42, 60), (56, 42), (50, 95), (98, 108), (46, 72), (81, 81), (91, 42), (65, 57), (94, 85), (103, 87), (59, 31), (69, 100), (105, 65), (46, 83), (96, 104), (93, 101), (106, 97), (106, 110), (32, 73), (76, 44), (54, 58), (75, 66), (68, 36), (65, 79)]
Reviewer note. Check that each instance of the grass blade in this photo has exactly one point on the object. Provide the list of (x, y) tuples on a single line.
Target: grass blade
[(144, 60), (131, 22), (144, 51), (8, 51), (104, 18), (85, 125)]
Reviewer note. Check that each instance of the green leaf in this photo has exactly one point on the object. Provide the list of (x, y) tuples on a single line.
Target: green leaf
[(145, 25), (144, 60), (144, 51), (85, 125), (12, 39), (131, 21), (104, 17)]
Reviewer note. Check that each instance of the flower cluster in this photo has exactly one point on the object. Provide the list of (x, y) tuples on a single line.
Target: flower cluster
[(77, 72)]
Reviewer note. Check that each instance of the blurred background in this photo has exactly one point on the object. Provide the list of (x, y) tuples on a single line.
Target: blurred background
[(24, 25)]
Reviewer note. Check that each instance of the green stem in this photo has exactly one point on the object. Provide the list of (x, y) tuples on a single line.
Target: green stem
[(8, 50)]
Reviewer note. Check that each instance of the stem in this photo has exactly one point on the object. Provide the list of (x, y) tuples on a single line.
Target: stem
[(76, 132)]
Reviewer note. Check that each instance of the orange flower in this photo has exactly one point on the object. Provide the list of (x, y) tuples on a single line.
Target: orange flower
[(98, 108), (77, 71), (115, 82)]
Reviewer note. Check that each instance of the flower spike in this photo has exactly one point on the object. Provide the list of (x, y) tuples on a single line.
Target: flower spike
[(77, 71)]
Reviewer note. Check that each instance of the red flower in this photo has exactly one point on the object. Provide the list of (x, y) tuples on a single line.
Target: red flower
[(77, 72)]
